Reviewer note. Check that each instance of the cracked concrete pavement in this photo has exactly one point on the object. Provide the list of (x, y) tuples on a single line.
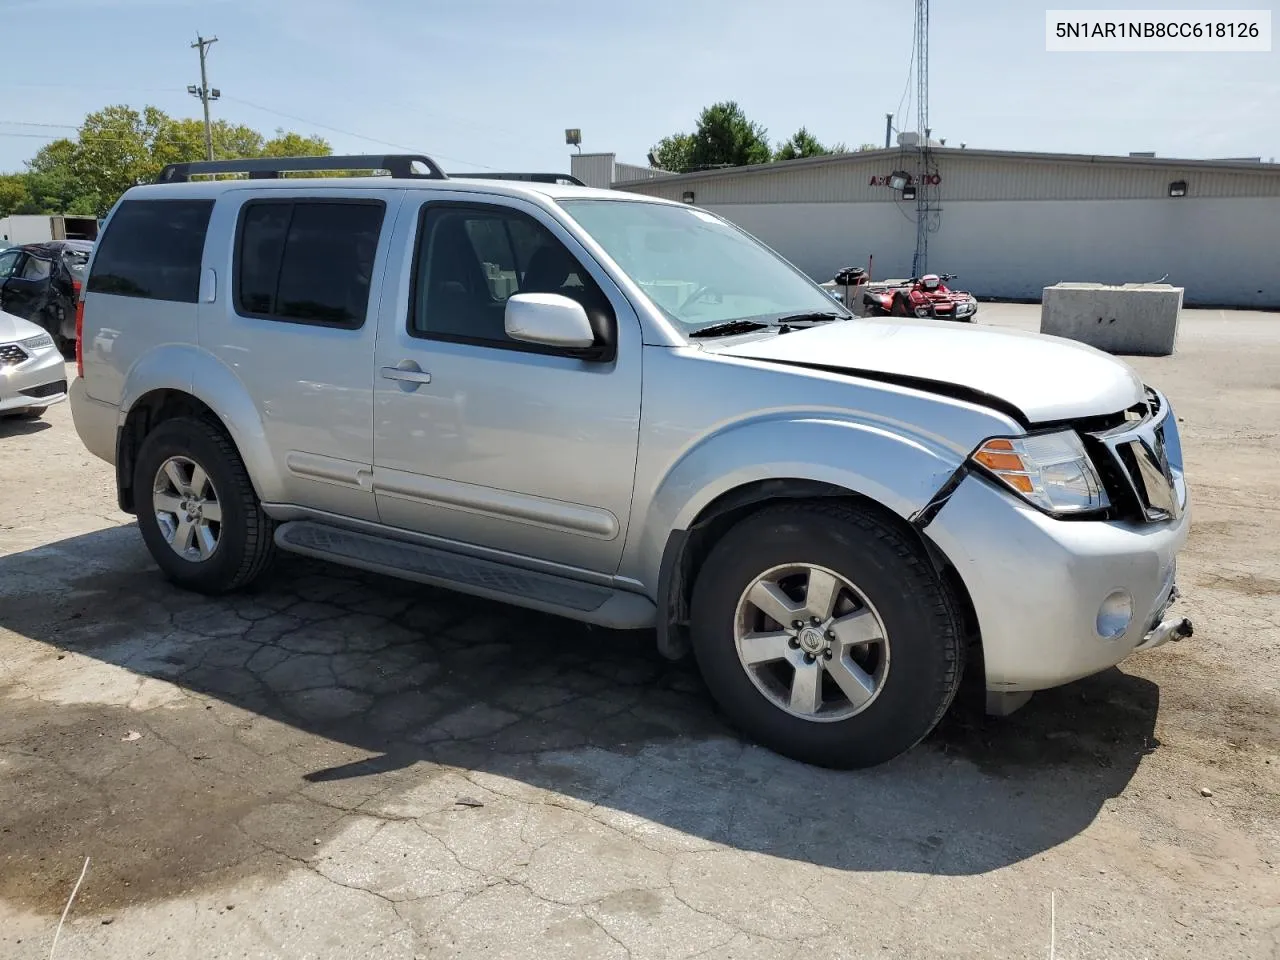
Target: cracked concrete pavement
[(336, 765)]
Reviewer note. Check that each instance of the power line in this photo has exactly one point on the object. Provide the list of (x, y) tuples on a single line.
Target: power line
[(247, 103), (32, 123), (349, 133), (91, 137)]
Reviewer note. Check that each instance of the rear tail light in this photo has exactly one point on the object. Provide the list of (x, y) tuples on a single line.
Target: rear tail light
[(79, 328)]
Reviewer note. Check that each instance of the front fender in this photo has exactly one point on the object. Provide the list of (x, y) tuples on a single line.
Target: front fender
[(901, 472), (190, 370)]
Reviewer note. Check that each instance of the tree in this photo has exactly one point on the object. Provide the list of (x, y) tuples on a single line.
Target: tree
[(674, 153), (863, 148), (295, 145), (723, 137), (53, 184), (804, 144), (119, 147), (13, 193)]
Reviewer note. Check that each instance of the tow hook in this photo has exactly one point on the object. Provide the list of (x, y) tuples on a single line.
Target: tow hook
[(1175, 628)]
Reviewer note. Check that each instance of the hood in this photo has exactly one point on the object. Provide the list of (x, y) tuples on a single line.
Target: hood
[(1042, 378), (15, 328)]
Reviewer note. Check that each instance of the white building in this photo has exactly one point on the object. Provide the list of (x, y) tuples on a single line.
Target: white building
[(1008, 224)]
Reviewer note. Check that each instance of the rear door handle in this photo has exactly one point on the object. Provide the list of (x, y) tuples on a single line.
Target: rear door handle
[(410, 375)]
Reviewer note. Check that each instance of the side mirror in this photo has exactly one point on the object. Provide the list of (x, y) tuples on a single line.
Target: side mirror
[(549, 319)]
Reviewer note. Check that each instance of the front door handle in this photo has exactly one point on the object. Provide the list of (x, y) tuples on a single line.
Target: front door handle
[(406, 374)]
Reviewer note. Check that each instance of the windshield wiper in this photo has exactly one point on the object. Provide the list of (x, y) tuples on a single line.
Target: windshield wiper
[(729, 327), (815, 317)]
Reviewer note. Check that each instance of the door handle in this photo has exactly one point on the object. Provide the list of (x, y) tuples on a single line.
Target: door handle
[(406, 376)]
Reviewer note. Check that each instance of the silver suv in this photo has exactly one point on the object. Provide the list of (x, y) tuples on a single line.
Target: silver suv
[(631, 413)]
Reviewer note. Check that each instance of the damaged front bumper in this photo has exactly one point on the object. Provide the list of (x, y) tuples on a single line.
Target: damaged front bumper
[(1057, 600)]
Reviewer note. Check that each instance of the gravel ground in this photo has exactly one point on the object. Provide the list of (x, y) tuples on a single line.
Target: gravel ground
[(340, 766)]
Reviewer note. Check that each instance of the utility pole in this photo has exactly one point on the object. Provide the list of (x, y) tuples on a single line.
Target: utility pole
[(888, 130), (204, 93)]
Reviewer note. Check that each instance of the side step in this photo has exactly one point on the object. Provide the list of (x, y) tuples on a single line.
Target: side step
[(587, 602)]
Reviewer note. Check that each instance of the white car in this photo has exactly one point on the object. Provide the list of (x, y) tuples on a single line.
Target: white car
[(33, 374)]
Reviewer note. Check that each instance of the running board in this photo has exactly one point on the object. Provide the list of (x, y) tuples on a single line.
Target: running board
[(587, 602)]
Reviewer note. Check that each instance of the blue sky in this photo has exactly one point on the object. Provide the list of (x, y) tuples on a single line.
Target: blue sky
[(493, 83)]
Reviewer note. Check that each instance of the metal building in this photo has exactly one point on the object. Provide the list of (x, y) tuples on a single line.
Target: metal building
[(1009, 224)]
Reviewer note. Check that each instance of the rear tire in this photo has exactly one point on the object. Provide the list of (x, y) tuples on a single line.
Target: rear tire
[(175, 504), (902, 682)]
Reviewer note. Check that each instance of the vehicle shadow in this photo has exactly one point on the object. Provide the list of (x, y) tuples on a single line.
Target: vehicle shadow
[(390, 676), (16, 427)]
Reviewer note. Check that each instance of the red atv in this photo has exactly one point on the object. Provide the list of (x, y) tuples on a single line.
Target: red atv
[(927, 296)]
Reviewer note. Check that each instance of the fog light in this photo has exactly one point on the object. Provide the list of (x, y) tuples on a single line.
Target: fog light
[(1115, 615)]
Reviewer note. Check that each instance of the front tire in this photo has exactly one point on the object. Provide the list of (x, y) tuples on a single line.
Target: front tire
[(824, 633), (197, 509)]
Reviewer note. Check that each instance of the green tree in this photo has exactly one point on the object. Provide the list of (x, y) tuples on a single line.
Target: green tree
[(723, 137), (285, 144), (53, 183), (674, 153), (13, 193), (803, 144), (863, 148), (118, 147)]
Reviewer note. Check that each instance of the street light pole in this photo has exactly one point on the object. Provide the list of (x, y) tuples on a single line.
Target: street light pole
[(204, 93)]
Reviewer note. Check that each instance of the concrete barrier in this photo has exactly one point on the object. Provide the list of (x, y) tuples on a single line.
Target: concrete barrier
[(1136, 318)]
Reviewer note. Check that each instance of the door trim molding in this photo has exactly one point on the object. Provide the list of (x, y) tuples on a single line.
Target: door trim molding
[(342, 473), (574, 518)]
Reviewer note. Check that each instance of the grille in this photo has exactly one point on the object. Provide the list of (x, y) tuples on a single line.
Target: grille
[(1132, 461), (47, 390), (11, 354)]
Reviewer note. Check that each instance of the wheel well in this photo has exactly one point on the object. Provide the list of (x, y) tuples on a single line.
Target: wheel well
[(686, 550), (145, 415)]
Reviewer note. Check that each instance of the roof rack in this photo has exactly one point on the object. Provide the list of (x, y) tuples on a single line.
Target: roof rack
[(527, 177), (270, 168)]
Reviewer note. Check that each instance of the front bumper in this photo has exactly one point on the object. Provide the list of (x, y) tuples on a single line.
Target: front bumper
[(962, 311), (34, 383), (1038, 583)]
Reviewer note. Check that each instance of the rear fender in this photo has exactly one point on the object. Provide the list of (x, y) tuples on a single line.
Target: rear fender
[(186, 368)]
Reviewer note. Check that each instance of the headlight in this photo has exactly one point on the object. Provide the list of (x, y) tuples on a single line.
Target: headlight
[(39, 342), (1051, 470), (922, 311)]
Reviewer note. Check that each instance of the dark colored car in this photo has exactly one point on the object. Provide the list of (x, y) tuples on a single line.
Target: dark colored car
[(41, 282)]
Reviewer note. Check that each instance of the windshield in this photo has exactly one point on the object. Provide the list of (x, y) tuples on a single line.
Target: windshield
[(697, 268)]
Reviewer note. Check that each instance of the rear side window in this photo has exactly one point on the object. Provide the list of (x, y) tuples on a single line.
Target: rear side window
[(36, 268), (152, 249), (307, 261)]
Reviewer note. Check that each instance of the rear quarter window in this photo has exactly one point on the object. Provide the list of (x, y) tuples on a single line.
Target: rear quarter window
[(152, 250), (77, 262)]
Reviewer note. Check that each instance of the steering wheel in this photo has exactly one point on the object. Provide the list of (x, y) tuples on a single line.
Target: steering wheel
[(702, 291)]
